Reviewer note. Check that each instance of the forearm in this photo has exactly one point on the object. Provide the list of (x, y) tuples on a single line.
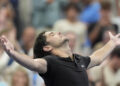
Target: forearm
[(38, 65), (102, 53), (23, 59)]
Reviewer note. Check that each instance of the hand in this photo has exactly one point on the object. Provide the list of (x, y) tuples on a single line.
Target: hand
[(115, 39), (6, 44)]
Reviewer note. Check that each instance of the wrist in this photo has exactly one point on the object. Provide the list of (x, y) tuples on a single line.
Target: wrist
[(112, 43), (11, 52)]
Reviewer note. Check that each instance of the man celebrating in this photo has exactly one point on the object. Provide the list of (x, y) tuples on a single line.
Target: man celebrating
[(55, 62)]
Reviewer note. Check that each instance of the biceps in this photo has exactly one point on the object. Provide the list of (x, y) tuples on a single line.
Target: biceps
[(94, 62), (40, 65)]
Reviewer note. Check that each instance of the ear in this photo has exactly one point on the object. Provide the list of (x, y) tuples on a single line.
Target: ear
[(47, 48)]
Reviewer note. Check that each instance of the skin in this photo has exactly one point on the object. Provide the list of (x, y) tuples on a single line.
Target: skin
[(28, 38), (58, 45), (72, 39)]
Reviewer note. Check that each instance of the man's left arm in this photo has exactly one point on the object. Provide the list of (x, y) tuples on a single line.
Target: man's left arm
[(101, 54)]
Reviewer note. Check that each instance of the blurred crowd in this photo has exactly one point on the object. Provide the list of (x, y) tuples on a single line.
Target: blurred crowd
[(85, 22)]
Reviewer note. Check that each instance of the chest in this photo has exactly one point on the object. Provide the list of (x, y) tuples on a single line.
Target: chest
[(70, 72)]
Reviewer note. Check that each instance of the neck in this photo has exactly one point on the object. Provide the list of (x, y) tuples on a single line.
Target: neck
[(72, 20), (63, 51)]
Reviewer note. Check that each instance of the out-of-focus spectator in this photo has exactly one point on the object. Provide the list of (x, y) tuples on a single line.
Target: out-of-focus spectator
[(71, 24), (25, 12), (118, 7), (6, 13), (20, 78), (15, 4), (6, 64), (116, 12), (45, 13), (105, 39), (90, 13), (111, 72), (28, 38), (12, 35), (77, 2), (9, 11), (96, 30), (115, 7), (74, 1)]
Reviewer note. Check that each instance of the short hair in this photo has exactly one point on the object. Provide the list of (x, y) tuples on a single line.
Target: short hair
[(71, 5), (38, 46), (24, 71), (105, 5), (116, 52)]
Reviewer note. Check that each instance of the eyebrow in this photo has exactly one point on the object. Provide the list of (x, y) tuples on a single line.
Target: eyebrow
[(50, 33)]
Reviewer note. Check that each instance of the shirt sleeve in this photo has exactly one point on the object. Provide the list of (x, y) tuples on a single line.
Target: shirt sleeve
[(86, 61)]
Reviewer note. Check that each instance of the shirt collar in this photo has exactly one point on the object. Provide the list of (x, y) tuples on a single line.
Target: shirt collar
[(68, 59)]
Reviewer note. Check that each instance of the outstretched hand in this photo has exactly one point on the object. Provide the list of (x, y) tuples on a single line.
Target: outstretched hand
[(6, 44), (115, 39)]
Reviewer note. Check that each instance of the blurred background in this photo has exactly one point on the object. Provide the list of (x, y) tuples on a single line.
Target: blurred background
[(85, 22)]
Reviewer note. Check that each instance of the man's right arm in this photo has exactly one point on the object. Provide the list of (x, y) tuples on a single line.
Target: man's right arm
[(38, 65)]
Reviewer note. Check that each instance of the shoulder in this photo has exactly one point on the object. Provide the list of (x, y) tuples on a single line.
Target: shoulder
[(80, 56), (49, 58), (81, 24), (62, 21)]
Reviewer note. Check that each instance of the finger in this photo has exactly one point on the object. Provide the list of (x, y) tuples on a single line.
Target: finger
[(118, 35), (110, 34), (4, 38), (3, 46), (1, 40)]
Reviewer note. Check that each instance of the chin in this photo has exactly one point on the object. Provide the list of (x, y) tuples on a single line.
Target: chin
[(65, 39)]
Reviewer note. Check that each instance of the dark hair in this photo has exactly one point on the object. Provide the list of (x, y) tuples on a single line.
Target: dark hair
[(38, 46), (116, 52), (105, 5), (71, 5)]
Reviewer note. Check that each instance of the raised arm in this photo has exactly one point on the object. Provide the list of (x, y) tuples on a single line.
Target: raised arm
[(38, 65), (100, 55)]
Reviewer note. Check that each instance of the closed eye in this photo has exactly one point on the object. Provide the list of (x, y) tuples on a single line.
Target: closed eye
[(51, 34)]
